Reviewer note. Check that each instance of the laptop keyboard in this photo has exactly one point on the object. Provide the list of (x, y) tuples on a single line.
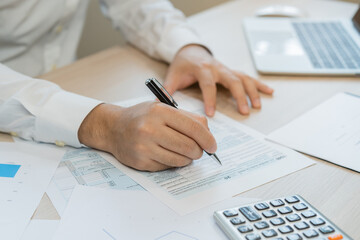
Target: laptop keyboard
[(328, 45)]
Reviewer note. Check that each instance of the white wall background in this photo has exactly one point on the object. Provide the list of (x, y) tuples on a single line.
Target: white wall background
[(98, 33)]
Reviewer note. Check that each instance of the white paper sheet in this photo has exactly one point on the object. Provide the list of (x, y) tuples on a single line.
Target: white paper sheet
[(39, 229), (105, 214), (85, 167), (330, 131), (22, 190), (248, 161)]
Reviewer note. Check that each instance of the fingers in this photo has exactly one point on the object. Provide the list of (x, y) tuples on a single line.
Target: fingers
[(170, 84), (263, 88), (241, 86), (207, 85), (235, 85), (180, 121), (178, 143), (152, 166), (252, 91), (169, 158)]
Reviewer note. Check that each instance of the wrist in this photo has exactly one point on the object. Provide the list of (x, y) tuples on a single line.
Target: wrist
[(95, 130)]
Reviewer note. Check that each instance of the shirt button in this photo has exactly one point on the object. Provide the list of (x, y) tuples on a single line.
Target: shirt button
[(14, 134), (59, 143), (59, 28)]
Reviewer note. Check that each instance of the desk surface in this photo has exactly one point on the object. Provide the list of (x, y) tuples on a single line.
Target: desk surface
[(332, 189)]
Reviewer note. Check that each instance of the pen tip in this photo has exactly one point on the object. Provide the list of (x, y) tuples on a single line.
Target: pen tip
[(216, 157)]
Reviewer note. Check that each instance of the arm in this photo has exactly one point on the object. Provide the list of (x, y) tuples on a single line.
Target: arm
[(160, 30), (39, 110), (148, 136)]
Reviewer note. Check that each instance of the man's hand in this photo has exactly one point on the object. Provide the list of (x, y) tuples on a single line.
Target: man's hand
[(148, 136), (194, 63)]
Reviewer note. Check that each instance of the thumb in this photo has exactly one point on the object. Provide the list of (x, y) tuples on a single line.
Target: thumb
[(170, 85)]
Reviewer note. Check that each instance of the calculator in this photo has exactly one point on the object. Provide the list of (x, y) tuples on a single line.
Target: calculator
[(288, 218)]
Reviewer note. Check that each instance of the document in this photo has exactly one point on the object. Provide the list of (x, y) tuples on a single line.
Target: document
[(94, 213), (248, 161), (330, 131), (85, 167), (25, 172)]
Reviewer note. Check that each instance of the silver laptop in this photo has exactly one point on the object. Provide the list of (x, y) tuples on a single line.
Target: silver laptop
[(305, 46)]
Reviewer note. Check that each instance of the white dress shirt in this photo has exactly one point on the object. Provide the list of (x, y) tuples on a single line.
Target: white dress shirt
[(37, 36)]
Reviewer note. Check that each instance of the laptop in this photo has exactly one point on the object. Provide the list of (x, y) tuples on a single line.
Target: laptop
[(305, 46)]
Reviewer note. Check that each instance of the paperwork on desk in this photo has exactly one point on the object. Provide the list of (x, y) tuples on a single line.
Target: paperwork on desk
[(85, 167), (248, 161), (95, 213), (330, 131), (25, 172), (40, 229)]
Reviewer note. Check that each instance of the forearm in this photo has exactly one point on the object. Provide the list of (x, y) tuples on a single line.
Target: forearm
[(39, 110), (155, 26)]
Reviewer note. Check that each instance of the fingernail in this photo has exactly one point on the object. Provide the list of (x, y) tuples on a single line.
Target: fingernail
[(244, 109), (210, 111), (256, 103)]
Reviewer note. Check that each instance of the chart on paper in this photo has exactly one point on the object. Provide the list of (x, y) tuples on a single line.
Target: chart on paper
[(25, 172), (13, 175), (85, 167)]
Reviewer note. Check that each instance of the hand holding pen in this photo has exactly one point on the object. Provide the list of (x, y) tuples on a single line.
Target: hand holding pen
[(149, 136), (160, 92)]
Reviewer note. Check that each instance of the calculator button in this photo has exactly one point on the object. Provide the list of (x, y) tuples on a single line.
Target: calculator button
[(326, 229), (308, 214), (294, 237), (301, 225), (253, 236), (277, 203), (269, 213), (317, 221), (261, 206), (286, 229), (300, 206), (293, 217), (277, 221), (269, 233), (230, 213), (237, 221), (250, 214), (292, 199), (285, 210), (335, 237), (245, 229), (310, 233), (261, 225)]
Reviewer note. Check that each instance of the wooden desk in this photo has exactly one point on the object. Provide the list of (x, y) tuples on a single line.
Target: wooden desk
[(119, 73)]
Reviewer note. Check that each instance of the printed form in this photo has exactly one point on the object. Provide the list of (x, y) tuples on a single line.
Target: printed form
[(86, 167), (248, 161)]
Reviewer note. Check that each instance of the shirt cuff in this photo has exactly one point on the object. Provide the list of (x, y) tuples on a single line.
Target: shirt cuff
[(61, 117), (178, 38)]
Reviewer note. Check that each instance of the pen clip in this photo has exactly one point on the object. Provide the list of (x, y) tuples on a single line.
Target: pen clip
[(165, 92)]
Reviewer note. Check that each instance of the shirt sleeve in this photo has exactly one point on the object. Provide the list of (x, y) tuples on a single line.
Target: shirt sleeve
[(39, 110), (153, 26)]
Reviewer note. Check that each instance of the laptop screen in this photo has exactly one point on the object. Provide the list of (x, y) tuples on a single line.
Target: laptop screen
[(356, 20)]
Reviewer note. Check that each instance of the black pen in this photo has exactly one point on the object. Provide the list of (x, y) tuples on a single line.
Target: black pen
[(160, 92)]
